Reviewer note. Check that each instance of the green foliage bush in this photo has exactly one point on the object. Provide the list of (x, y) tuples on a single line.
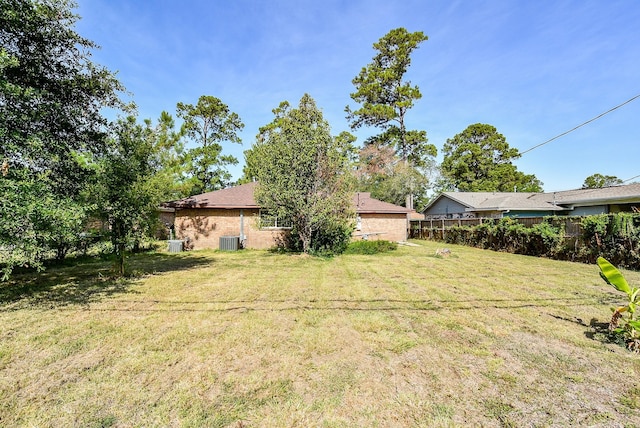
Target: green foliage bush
[(370, 247), (507, 234), (331, 240), (545, 239), (613, 236)]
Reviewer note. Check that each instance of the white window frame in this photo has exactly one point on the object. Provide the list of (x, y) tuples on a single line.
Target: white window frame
[(274, 222)]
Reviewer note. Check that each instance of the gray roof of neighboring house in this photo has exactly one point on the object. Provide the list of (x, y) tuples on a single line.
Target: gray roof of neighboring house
[(613, 194), (552, 201), (497, 201), (242, 197)]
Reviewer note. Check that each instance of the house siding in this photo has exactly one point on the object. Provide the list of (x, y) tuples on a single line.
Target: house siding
[(585, 211), (617, 208), (445, 207)]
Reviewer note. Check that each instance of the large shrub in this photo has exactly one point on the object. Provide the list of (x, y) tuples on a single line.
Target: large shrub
[(507, 234), (331, 240), (613, 236), (544, 239)]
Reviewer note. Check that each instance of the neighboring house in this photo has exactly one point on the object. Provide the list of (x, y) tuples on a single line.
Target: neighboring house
[(203, 219), (578, 202)]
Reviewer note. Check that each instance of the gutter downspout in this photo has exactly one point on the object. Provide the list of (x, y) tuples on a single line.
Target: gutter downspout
[(242, 237)]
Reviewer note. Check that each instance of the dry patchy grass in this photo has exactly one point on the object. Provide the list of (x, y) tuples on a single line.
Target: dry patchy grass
[(252, 339)]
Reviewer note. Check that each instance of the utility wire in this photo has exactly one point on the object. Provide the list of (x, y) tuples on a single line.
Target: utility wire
[(581, 125), (593, 189)]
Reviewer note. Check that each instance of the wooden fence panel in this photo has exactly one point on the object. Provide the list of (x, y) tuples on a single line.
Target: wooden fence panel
[(436, 228)]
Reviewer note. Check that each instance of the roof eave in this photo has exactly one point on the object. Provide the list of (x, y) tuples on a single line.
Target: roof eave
[(517, 209), (382, 212), (218, 207), (601, 201)]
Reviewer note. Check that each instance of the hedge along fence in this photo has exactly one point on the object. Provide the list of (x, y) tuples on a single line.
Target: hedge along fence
[(616, 237), (613, 236)]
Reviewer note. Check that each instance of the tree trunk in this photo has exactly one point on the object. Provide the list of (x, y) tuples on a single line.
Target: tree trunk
[(305, 237), (120, 256)]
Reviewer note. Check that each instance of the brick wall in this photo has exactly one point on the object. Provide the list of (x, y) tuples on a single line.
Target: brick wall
[(204, 227), (392, 226)]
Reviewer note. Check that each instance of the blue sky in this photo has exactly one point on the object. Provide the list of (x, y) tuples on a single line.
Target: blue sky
[(532, 69)]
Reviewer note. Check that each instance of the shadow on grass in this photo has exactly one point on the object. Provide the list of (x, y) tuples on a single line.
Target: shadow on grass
[(600, 332), (84, 281)]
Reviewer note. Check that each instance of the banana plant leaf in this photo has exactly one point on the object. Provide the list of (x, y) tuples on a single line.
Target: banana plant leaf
[(634, 323), (612, 276)]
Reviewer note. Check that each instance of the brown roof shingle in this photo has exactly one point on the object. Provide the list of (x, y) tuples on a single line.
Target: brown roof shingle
[(233, 197), (242, 197), (365, 204)]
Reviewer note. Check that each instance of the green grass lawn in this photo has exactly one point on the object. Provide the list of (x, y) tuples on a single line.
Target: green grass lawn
[(254, 339)]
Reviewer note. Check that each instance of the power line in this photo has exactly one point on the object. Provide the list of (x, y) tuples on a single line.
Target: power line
[(629, 179), (594, 189), (581, 125)]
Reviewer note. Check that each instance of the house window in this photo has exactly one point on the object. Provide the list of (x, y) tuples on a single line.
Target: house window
[(272, 221)]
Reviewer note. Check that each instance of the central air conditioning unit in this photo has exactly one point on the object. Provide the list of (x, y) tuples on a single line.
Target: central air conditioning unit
[(175, 246), (229, 243)]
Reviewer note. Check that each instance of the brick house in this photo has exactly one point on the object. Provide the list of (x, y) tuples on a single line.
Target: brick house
[(203, 219)]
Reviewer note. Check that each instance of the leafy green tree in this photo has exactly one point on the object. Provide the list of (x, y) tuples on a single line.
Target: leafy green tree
[(305, 175), (598, 181), (345, 140), (479, 159), (170, 158), (250, 168), (385, 98), (51, 94), (392, 187), (51, 98), (65, 225), (128, 192), (36, 223), (384, 175), (28, 209), (209, 123)]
